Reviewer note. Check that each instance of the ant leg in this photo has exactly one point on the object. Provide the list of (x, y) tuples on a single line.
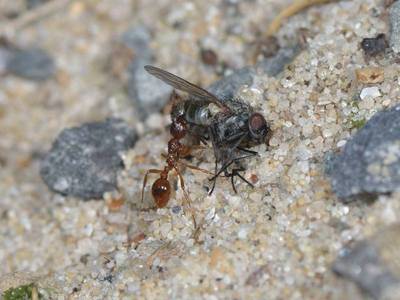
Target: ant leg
[(195, 168), (190, 166), (186, 196), (152, 171)]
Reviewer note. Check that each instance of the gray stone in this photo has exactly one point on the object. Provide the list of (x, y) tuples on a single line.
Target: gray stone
[(5, 56), (148, 93), (363, 265), (370, 161), (83, 161), (33, 63), (227, 87), (272, 66), (31, 4), (394, 40), (138, 39)]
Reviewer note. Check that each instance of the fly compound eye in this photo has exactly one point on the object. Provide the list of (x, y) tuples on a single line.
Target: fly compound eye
[(258, 126)]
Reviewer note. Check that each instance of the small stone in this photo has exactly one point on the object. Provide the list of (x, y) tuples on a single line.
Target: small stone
[(147, 92), (33, 63), (83, 161), (208, 57), (374, 46), (371, 92), (370, 75), (370, 161), (394, 40)]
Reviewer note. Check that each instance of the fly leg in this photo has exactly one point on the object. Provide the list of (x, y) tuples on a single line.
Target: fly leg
[(217, 173), (253, 153), (235, 172)]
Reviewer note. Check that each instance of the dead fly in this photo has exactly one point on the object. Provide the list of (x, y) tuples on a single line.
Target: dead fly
[(231, 126)]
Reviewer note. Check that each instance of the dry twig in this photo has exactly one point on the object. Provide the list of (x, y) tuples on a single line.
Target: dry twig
[(9, 29), (289, 11)]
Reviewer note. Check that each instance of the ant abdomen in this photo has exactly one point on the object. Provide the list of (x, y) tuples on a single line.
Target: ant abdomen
[(161, 191)]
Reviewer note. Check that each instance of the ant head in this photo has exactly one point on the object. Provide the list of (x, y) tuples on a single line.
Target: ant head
[(258, 127)]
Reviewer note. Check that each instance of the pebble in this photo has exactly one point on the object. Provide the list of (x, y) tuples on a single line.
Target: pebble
[(34, 3), (374, 46), (370, 75), (31, 63), (208, 57), (372, 92), (373, 264), (148, 93), (83, 161), (5, 55), (394, 39), (370, 161)]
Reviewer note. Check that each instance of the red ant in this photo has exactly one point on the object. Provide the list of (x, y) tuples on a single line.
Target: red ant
[(161, 188)]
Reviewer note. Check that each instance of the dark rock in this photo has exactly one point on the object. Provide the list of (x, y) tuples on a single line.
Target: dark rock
[(364, 266), (34, 64), (374, 46), (148, 93), (395, 27), (83, 161), (372, 264), (370, 161), (208, 57)]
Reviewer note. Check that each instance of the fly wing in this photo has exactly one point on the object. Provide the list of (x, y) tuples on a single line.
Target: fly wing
[(185, 86)]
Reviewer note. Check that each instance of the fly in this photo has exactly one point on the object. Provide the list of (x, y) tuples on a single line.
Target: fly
[(231, 126)]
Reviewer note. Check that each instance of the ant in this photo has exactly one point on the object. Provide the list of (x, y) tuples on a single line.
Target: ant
[(161, 188)]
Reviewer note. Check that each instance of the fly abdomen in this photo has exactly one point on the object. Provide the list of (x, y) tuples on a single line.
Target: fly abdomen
[(195, 112)]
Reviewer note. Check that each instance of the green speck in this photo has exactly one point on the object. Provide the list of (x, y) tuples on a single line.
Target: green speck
[(23, 292), (357, 123), (354, 104)]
